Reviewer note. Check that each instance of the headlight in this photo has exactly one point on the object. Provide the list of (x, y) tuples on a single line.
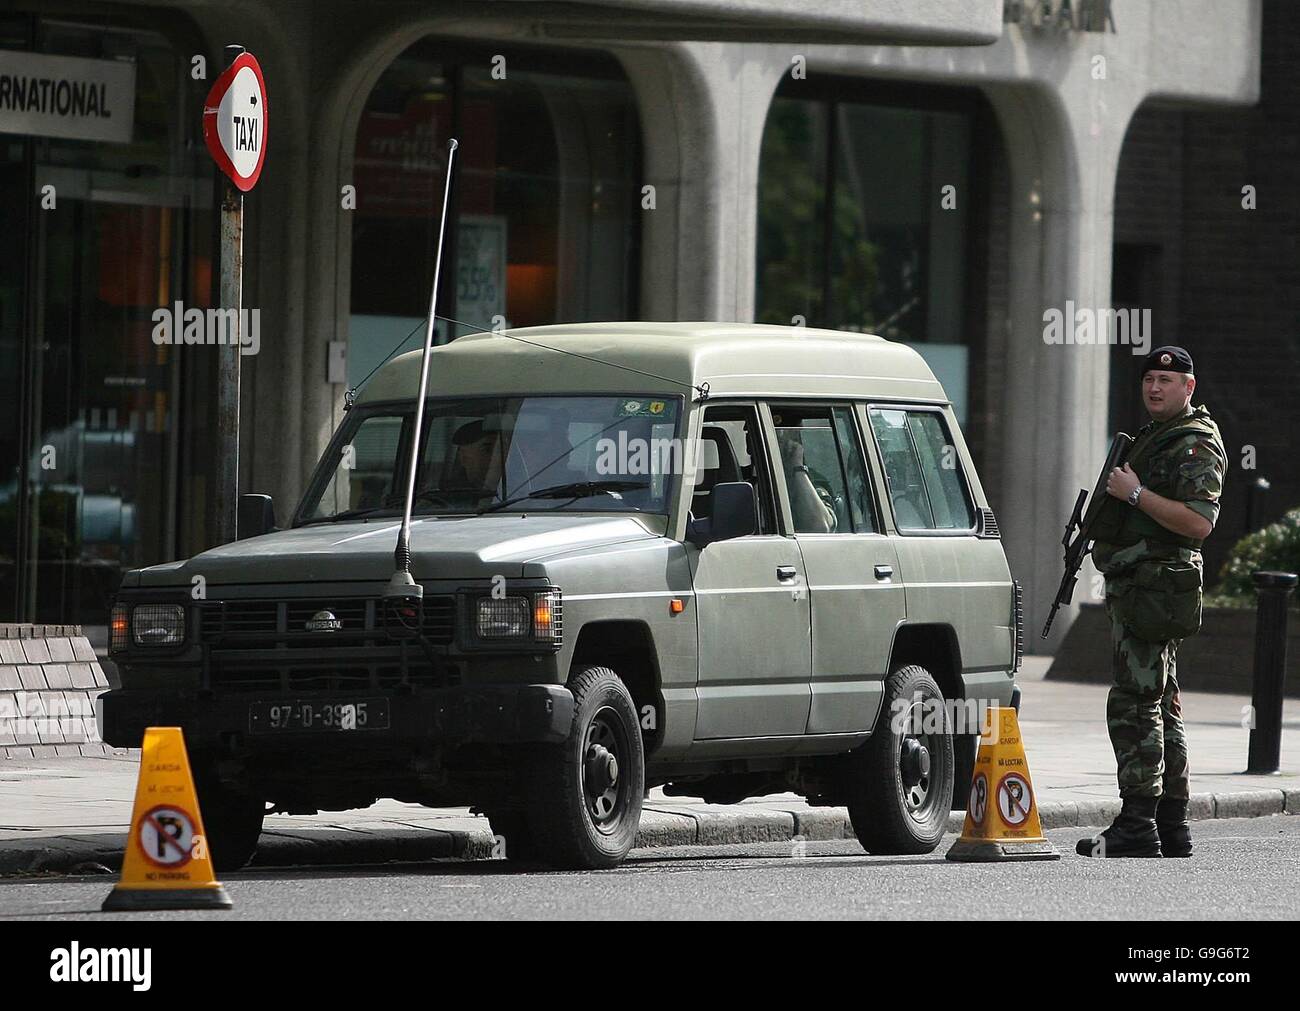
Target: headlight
[(535, 618), (504, 618), (158, 625)]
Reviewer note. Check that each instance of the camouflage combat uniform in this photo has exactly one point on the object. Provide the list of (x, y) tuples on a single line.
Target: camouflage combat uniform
[(1153, 600)]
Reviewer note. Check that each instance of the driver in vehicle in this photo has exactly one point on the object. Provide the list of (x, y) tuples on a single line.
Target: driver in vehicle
[(480, 450)]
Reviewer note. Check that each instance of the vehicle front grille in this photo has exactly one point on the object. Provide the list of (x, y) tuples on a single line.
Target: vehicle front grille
[(263, 624), (266, 645)]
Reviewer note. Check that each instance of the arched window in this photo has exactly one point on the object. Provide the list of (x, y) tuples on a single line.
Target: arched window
[(869, 203), (545, 204)]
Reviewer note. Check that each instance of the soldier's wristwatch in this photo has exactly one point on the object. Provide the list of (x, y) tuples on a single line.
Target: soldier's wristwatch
[(1133, 495)]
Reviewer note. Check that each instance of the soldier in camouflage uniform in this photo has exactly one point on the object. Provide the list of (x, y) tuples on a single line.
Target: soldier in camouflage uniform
[(1163, 504)]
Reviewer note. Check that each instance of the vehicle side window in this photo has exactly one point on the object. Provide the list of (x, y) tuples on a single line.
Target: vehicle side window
[(855, 468), (731, 449), (826, 476), (922, 470), (363, 478), (940, 469)]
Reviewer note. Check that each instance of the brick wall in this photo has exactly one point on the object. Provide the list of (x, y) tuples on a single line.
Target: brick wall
[(49, 680)]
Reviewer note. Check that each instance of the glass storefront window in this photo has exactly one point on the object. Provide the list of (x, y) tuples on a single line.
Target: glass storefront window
[(863, 220), (88, 404), (546, 200)]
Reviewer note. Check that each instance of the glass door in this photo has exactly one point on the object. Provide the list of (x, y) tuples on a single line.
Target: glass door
[(88, 403)]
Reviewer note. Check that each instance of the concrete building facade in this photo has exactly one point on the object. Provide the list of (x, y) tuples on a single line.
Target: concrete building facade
[(1045, 93)]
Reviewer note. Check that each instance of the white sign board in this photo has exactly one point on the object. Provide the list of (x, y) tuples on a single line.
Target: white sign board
[(65, 96), (235, 121), (481, 269)]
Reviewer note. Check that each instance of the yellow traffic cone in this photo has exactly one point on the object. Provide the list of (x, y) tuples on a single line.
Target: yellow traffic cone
[(1001, 816), (167, 864)]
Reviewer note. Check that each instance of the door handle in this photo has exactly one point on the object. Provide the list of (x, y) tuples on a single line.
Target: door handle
[(786, 573), (884, 571)]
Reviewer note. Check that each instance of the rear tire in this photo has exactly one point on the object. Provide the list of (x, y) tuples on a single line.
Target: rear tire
[(899, 783), (585, 794)]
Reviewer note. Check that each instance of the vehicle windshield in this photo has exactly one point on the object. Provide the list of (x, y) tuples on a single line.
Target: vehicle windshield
[(605, 453)]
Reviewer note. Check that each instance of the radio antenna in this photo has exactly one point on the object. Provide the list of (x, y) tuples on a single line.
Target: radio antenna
[(403, 593)]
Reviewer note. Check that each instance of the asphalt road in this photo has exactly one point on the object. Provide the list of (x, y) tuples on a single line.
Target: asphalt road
[(1242, 869)]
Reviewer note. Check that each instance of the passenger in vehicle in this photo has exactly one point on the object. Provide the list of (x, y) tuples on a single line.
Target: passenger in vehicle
[(811, 513)]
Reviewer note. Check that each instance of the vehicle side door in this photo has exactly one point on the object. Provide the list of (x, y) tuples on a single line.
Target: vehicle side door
[(853, 580), (956, 572), (752, 603)]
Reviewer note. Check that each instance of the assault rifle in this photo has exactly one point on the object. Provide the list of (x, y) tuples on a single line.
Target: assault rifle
[(1078, 531)]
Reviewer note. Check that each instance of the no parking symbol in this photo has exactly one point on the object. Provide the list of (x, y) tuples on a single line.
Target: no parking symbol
[(166, 836), (979, 799), (1015, 799)]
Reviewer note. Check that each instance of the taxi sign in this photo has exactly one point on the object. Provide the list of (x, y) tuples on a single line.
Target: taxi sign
[(234, 121)]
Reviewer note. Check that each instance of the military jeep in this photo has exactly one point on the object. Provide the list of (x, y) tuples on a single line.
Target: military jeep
[(724, 560)]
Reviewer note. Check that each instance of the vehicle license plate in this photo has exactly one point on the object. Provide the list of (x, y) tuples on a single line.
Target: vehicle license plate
[(318, 715)]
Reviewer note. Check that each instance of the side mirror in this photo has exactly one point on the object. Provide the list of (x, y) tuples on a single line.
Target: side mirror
[(733, 510), (256, 516)]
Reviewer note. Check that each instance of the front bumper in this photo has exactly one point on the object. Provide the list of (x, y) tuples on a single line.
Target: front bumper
[(488, 714)]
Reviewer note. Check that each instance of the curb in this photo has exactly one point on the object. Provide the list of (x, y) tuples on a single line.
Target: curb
[(735, 825)]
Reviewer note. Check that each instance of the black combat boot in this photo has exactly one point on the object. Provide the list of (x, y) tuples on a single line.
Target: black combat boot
[(1133, 833), (1175, 832)]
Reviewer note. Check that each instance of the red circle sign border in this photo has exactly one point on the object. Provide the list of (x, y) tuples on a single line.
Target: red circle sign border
[(149, 814), (1029, 792), (212, 104)]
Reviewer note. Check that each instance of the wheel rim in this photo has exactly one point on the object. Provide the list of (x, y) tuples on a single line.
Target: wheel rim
[(605, 755), (920, 765)]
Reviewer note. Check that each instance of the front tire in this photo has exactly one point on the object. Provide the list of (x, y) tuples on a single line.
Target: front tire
[(899, 783), (585, 800), (232, 823)]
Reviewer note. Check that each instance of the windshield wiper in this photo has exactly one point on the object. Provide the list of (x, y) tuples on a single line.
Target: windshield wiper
[(347, 514), (574, 490)]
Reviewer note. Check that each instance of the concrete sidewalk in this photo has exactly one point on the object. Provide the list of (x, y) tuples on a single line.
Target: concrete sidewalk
[(58, 813)]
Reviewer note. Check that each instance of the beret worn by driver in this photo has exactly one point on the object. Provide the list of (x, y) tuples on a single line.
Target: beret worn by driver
[(1168, 359)]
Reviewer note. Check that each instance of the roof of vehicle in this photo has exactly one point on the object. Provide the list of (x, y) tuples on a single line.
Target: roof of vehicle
[(753, 359)]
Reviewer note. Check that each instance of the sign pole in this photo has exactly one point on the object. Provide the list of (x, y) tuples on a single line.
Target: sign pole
[(234, 127), (232, 297)]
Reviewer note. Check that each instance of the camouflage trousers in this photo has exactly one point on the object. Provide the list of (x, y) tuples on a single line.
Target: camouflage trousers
[(1145, 717)]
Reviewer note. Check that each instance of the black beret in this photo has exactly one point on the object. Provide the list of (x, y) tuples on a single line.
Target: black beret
[(1168, 359), (473, 431)]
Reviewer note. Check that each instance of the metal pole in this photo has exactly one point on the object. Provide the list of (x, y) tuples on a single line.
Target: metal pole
[(231, 296), (1274, 588)]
